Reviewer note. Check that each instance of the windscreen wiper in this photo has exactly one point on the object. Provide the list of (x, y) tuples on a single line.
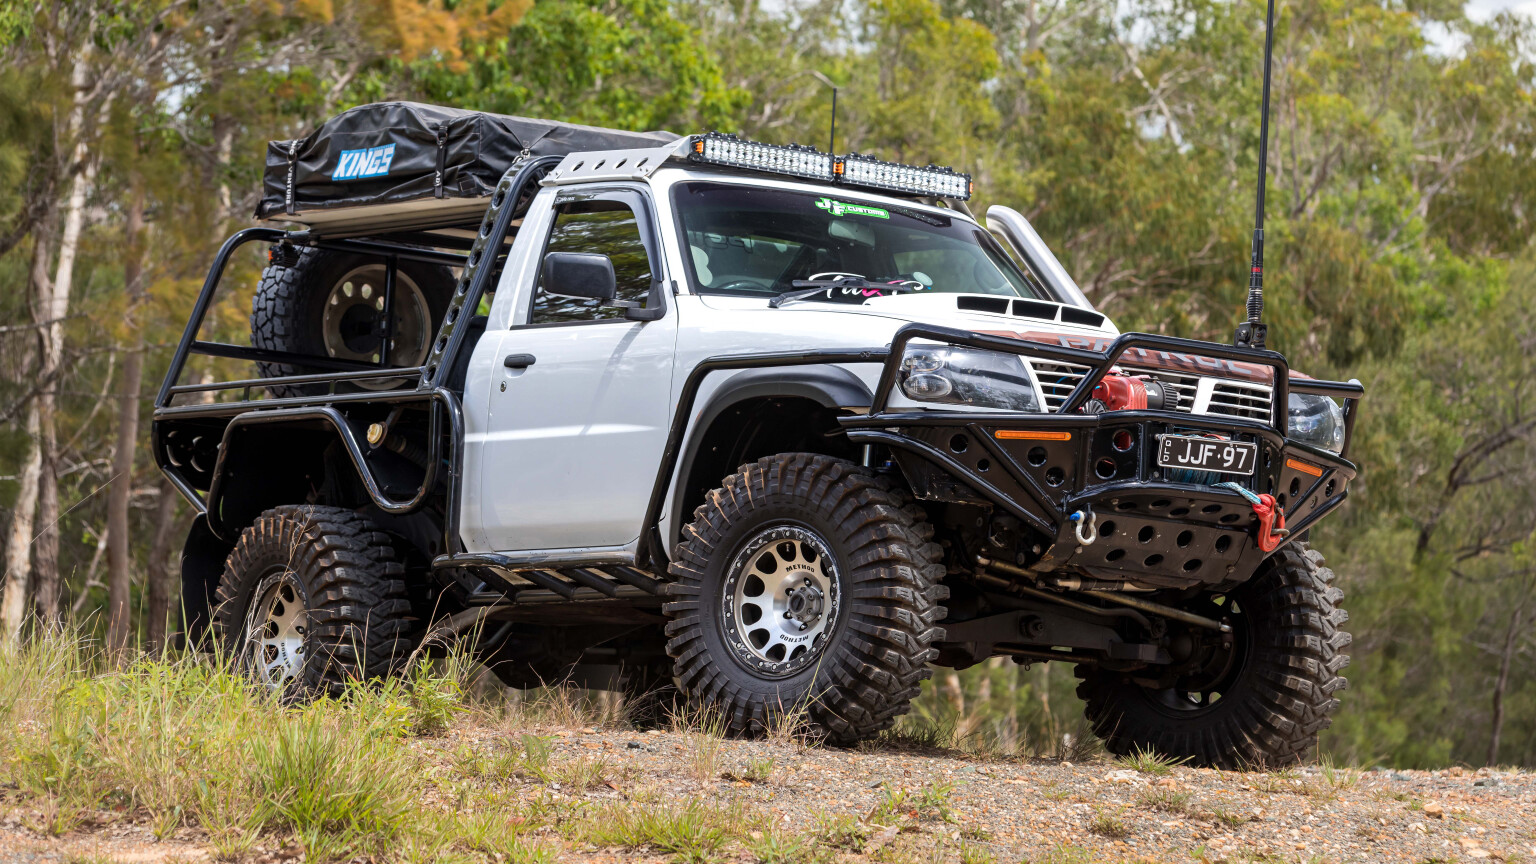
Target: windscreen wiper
[(808, 288)]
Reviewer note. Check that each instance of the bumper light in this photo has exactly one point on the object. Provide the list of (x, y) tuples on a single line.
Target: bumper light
[(965, 376), (1315, 420)]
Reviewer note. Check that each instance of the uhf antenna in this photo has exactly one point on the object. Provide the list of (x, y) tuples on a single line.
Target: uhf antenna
[(1251, 333), (832, 135)]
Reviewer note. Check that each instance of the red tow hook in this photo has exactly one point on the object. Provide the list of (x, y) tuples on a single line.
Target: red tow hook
[(1271, 522), (1270, 514)]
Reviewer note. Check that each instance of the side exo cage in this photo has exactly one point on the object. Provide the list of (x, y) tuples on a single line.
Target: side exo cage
[(1033, 471)]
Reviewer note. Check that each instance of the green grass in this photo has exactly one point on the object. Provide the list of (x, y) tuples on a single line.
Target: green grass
[(840, 831), (1166, 800), (185, 742), (1228, 818), (777, 847), (1109, 824), (1148, 762), (694, 832), (755, 771), (1063, 855)]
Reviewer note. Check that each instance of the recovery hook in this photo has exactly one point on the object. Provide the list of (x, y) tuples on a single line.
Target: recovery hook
[(1270, 514), (1089, 519)]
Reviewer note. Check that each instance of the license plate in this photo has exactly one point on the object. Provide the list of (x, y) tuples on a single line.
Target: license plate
[(1206, 454)]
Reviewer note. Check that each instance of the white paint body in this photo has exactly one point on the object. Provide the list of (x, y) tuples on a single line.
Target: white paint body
[(561, 456)]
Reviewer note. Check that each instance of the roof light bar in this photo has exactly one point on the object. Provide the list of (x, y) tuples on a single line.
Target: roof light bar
[(933, 180), (797, 159), (853, 169)]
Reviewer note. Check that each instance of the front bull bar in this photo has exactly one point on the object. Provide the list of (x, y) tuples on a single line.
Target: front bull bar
[(1154, 527)]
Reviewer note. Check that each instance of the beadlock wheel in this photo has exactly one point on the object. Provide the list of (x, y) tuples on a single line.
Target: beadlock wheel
[(311, 600), (782, 599), (848, 557), (276, 623)]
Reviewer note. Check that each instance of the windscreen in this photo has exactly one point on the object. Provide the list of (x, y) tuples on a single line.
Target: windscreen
[(754, 241)]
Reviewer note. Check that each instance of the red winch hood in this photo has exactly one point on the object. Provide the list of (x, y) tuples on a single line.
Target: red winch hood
[(1171, 360)]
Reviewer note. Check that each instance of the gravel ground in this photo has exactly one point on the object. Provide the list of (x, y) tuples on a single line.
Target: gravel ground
[(974, 810)]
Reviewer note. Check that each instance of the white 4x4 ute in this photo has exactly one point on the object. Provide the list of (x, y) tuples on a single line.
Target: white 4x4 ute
[(771, 426)]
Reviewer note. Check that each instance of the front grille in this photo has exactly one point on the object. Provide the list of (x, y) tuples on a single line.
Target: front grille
[(1240, 399), (1228, 397), (1057, 381)]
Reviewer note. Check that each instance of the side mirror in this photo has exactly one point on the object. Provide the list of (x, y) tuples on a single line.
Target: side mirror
[(579, 274)]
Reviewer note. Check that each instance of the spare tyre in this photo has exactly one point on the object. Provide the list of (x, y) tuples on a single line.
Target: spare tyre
[(331, 304)]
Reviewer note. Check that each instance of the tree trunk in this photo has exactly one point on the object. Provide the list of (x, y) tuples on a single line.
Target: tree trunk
[(18, 548), (53, 306), (119, 553), (158, 572), (1511, 640), (45, 567)]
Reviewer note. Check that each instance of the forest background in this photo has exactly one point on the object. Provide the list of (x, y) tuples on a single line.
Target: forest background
[(1402, 194)]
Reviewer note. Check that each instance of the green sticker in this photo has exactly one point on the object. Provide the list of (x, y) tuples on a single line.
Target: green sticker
[(838, 208)]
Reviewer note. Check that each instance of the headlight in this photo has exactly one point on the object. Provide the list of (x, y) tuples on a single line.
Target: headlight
[(1315, 420), (966, 376)]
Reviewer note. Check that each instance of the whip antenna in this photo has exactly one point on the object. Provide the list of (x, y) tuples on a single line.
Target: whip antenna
[(1251, 333)]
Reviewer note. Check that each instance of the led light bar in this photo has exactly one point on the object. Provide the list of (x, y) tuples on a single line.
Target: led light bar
[(717, 148), (796, 159), (940, 182)]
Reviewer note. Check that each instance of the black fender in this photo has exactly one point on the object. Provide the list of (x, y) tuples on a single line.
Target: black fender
[(202, 565), (277, 457), (832, 387)]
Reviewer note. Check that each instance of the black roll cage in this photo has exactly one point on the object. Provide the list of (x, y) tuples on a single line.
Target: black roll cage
[(443, 405)]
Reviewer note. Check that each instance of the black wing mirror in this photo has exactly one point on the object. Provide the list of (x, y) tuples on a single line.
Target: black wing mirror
[(579, 274)]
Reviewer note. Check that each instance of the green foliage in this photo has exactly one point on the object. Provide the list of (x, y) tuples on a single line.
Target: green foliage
[(186, 741), (694, 832)]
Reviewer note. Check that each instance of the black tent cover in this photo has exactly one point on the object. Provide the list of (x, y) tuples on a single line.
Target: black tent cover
[(390, 152)]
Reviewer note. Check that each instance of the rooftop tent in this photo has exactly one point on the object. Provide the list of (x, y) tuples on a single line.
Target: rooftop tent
[(393, 164)]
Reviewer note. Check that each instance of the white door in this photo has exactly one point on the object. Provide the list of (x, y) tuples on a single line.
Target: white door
[(580, 401)]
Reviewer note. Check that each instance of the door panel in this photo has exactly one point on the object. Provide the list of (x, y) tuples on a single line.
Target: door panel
[(573, 442), (575, 426)]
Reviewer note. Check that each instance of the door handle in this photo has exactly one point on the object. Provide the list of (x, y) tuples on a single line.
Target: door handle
[(519, 361)]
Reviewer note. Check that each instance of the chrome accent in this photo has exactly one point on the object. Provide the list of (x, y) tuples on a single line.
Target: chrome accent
[(1038, 256), (1057, 381), (1197, 394)]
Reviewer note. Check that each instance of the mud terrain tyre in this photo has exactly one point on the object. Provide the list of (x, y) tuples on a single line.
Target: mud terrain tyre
[(1277, 695), (327, 304), (312, 598), (805, 583)]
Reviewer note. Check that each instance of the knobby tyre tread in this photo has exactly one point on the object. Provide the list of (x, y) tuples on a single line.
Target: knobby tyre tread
[(360, 620), (1286, 694), (877, 657)]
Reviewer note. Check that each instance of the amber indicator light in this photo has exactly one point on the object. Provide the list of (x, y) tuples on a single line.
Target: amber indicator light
[(1030, 435), (1304, 467)]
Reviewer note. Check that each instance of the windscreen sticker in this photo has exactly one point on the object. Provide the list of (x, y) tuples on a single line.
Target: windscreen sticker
[(839, 208), (357, 164)]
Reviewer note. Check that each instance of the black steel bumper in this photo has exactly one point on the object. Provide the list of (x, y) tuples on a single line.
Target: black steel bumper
[(1042, 468)]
